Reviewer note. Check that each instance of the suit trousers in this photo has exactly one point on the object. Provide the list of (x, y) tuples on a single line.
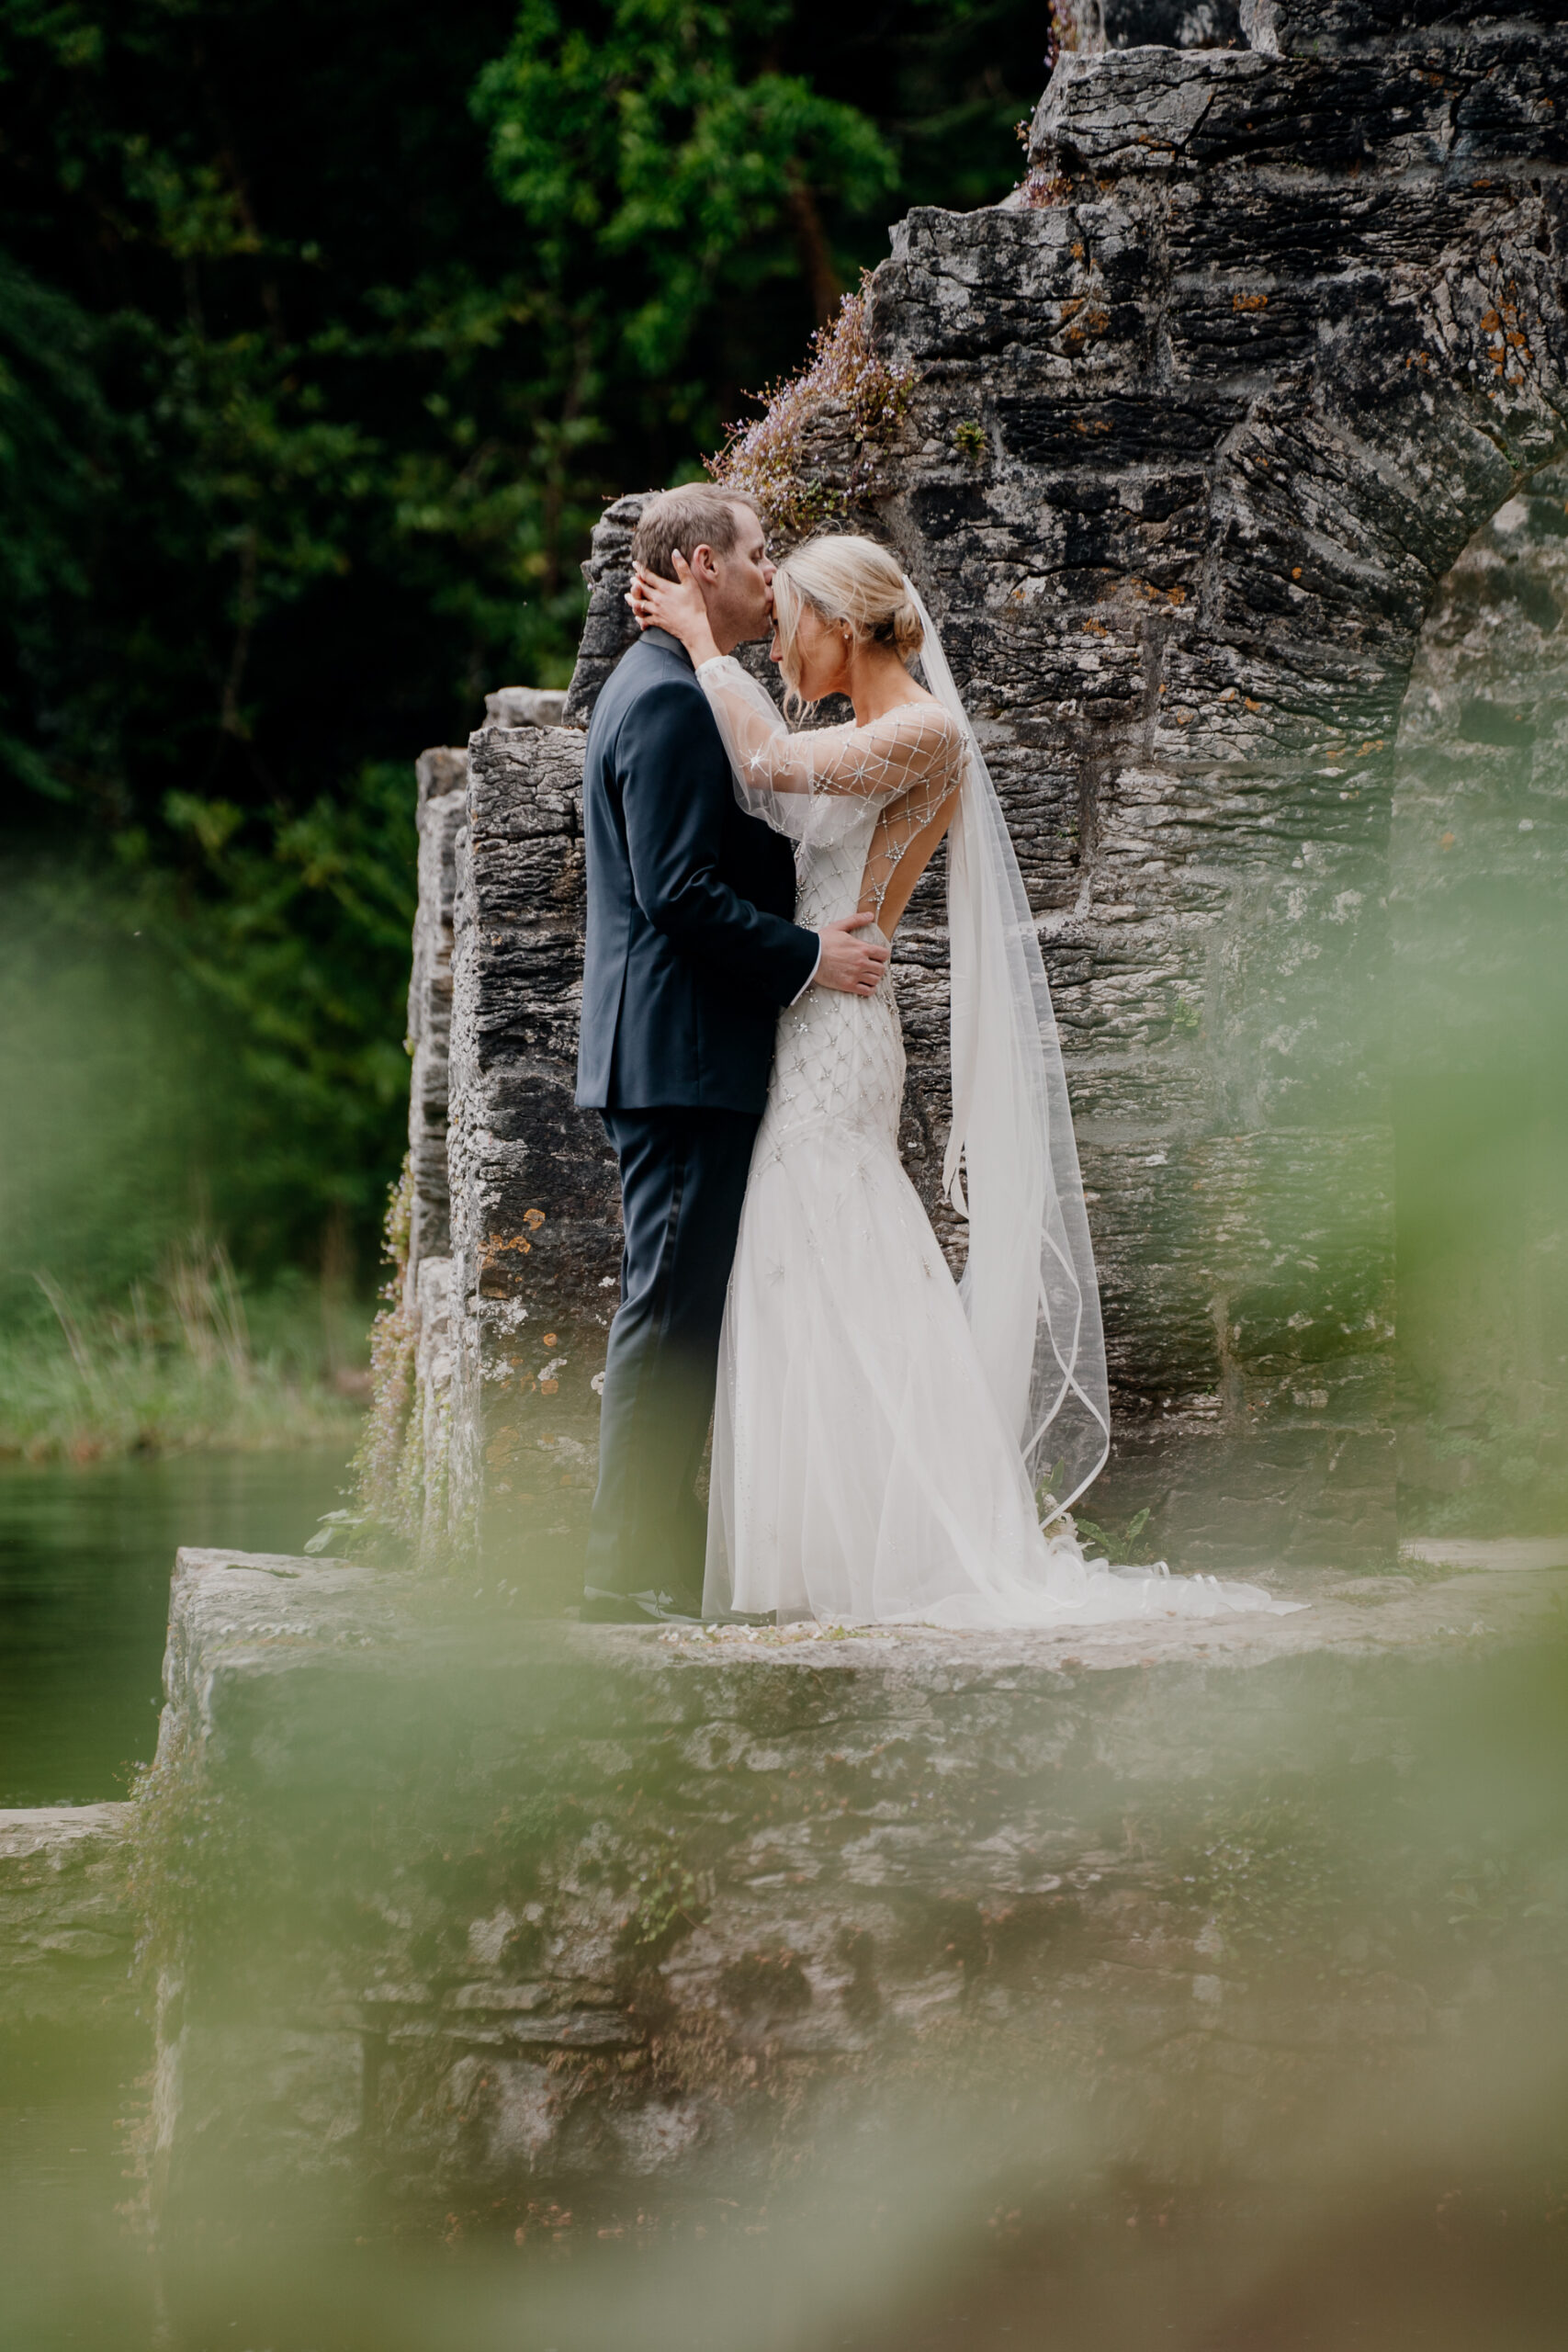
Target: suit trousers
[(683, 1183)]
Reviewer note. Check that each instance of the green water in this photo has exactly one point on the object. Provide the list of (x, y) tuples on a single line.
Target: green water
[(86, 1555)]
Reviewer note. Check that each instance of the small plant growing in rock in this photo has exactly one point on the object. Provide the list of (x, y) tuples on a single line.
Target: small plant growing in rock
[(1038, 187), (1121, 1545), (1074, 25), (768, 459), (969, 439), (668, 1905)]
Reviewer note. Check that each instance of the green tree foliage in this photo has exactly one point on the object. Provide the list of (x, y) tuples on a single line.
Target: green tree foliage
[(323, 334), (668, 187)]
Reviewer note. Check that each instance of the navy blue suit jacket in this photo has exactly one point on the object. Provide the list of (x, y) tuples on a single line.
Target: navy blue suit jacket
[(690, 949)]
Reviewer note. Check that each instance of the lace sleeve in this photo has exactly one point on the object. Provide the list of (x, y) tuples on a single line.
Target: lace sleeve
[(818, 783)]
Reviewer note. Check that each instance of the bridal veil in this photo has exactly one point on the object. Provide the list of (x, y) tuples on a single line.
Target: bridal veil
[(1012, 1168)]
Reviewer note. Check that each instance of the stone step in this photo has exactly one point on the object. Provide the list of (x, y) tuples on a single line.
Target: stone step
[(66, 1927), (488, 1905)]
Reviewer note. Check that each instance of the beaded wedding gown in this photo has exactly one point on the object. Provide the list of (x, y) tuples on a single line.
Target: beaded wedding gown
[(873, 1426)]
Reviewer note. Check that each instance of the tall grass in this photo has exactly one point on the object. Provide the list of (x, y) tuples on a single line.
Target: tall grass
[(186, 1361)]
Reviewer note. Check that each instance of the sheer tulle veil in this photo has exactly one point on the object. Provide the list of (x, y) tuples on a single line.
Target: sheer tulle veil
[(1012, 1168)]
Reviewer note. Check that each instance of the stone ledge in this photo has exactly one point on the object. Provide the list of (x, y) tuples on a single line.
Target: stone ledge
[(550, 1901), (259, 1610), (1498, 1555), (66, 1931)]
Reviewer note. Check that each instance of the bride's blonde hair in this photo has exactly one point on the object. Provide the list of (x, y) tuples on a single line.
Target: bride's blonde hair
[(844, 580)]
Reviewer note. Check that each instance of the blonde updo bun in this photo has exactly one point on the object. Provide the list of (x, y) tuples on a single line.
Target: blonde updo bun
[(846, 581)]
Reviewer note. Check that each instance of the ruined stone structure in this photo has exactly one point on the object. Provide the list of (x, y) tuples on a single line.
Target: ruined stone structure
[(1200, 420), (507, 1910), (1237, 434)]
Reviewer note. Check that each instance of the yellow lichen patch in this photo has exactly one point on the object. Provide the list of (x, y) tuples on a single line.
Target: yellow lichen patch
[(1249, 301), (1146, 589)]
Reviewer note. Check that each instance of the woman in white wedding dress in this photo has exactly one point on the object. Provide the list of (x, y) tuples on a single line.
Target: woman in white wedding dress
[(879, 1428)]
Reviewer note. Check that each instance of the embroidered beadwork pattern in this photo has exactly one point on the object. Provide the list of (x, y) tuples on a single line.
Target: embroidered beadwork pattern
[(905, 766)]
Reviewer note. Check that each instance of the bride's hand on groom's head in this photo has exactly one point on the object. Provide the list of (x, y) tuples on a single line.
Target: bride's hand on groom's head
[(673, 605)]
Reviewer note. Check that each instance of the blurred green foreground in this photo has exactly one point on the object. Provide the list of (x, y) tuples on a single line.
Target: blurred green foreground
[(983, 2191)]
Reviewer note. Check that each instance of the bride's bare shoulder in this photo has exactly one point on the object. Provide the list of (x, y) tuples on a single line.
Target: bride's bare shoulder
[(920, 709)]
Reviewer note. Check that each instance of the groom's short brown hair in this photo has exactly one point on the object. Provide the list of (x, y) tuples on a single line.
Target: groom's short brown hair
[(700, 514)]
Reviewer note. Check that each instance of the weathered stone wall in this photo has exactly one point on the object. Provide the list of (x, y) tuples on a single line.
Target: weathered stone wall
[(1201, 419), (1287, 330), (490, 1911)]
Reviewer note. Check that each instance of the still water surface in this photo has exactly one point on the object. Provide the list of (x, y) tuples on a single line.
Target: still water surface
[(85, 1556)]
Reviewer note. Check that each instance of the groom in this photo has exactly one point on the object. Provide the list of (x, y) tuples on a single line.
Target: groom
[(691, 954)]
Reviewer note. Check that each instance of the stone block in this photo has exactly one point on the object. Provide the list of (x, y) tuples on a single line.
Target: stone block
[(67, 1933), (493, 1911), (264, 2109), (526, 707)]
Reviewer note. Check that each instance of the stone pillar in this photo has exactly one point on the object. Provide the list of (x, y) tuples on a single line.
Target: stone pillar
[(609, 628), (534, 1209), (442, 781)]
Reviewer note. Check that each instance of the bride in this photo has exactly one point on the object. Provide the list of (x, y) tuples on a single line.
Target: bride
[(879, 1430)]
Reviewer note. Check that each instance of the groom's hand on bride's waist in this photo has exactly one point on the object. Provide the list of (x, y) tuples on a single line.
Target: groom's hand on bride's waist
[(851, 964)]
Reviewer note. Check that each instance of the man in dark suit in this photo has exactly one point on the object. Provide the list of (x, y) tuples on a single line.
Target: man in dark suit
[(692, 952)]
